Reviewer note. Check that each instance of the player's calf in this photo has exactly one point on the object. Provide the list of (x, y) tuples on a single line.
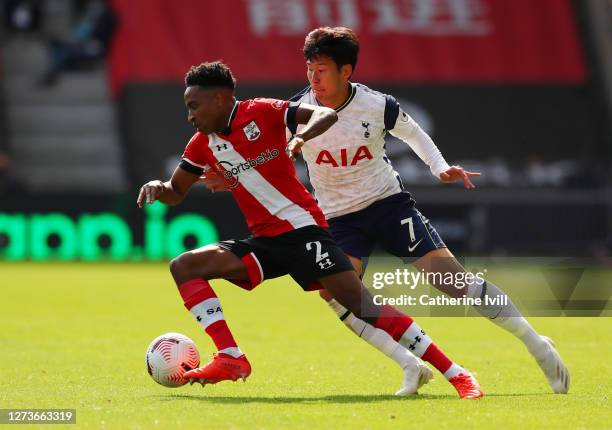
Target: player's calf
[(348, 291), (416, 373), (191, 271), (496, 306)]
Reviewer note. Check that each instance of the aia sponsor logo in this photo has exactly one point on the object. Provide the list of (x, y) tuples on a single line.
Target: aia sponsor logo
[(345, 158)]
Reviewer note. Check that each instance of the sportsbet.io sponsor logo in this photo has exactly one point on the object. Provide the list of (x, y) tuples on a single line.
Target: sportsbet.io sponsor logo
[(232, 172), (57, 236)]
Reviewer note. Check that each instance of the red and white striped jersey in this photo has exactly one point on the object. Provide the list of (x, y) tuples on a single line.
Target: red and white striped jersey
[(250, 154)]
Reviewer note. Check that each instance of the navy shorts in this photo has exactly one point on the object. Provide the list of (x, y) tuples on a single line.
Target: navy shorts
[(394, 223), (307, 254)]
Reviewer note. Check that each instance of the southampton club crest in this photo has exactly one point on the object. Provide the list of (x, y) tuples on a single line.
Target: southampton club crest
[(251, 131)]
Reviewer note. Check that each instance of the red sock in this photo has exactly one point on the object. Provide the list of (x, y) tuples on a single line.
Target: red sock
[(437, 358), (202, 302), (393, 322), (408, 333)]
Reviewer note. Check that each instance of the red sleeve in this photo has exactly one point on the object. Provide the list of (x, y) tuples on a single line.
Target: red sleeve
[(194, 155)]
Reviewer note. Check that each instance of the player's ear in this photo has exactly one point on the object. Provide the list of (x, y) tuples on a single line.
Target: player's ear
[(218, 98), (222, 95), (346, 71)]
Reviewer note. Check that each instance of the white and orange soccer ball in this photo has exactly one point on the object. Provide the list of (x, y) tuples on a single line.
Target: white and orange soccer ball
[(169, 356)]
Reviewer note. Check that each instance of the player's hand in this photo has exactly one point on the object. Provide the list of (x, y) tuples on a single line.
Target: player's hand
[(214, 181), (456, 173), (150, 192), (294, 147)]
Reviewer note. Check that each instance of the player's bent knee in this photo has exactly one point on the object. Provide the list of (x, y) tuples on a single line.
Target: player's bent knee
[(325, 295), (179, 267), (190, 265)]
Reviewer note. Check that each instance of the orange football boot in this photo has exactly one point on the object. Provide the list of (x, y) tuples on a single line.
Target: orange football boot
[(466, 385), (222, 367)]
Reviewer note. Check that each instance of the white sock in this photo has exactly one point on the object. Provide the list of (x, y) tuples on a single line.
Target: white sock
[(403, 357), (418, 342), (208, 312), (233, 351), (376, 337), (414, 337), (506, 316), (453, 371)]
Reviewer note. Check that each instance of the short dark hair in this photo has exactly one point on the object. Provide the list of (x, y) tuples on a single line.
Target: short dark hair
[(338, 43), (213, 74)]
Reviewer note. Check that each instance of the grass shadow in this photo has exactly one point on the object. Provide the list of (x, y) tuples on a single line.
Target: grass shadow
[(546, 394), (340, 398)]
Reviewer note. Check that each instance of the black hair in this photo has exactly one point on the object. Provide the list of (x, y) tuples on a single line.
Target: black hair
[(213, 74), (338, 43)]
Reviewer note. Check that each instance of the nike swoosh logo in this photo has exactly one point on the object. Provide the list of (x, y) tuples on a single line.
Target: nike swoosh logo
[(412, 248)]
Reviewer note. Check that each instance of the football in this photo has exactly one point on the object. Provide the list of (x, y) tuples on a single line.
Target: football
[(169, 356)]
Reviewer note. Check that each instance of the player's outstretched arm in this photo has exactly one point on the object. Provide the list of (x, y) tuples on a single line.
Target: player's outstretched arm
[(171, 192), (318, 120), (409, 131)]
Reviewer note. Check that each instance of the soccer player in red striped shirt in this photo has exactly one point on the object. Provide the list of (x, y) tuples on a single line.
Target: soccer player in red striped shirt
[(245, 142)]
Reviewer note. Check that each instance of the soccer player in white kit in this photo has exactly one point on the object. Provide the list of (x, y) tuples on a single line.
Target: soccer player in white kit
[(365, 203), (364, 200)]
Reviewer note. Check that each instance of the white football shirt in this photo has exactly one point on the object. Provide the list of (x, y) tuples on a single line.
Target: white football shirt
[(347, 165)]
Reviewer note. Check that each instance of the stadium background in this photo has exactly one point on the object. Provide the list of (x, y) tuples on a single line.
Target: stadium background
[(517, 90)]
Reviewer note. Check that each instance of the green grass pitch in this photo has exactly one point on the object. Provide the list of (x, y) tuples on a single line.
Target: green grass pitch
[(74, 336)]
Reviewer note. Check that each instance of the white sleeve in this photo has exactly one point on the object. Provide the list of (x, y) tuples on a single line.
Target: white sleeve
[(410, 132)]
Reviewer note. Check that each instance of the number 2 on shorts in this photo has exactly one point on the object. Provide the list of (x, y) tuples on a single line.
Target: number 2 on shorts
[(318, 256)]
